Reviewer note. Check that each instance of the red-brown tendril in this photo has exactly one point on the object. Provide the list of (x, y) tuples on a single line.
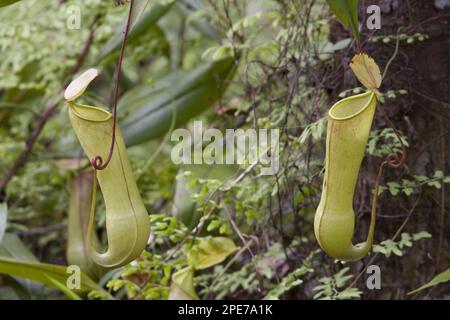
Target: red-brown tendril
[(393, 160), (97, 161)]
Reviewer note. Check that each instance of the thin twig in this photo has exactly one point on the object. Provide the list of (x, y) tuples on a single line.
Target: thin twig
[(397, 44), (236, 228), (245, 173), (394, 55), (442, 213)]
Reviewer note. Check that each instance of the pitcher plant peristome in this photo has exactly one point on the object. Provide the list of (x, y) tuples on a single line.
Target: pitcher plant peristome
[(127, 223), (349, 124)]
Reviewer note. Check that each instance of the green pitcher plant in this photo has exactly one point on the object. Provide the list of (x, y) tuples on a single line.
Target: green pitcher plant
[(77, 252), (127, 221), (349, 124)]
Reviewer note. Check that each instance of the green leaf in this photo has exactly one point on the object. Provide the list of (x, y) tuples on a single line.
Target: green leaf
[(438, 174), (4, 3), (421, 178), (197, 91), (3, 219), (405, 240), (347, 12), (67, 292), (213, 225), (195, 15), (421, 235), (440, 278), (140, 24), (140, 95), (41, 272), (340, 45), (394, 188), (210, 251), (182, 287), (136, 12), (289, 282), (13, 247), (366, 71), (435, 184), (408, 191), (17, 290), (350, 293)]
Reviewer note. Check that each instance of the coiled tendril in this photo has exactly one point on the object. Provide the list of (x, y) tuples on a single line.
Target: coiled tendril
[(394, 160)]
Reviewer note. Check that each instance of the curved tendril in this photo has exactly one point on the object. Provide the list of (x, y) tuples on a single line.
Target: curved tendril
[(394, 160), (97, 161)]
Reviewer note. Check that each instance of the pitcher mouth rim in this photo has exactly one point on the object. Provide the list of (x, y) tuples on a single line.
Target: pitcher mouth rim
[(73, 107), (337, 104)]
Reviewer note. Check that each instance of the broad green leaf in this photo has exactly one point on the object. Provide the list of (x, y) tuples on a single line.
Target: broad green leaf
[(182, 286), (13, 247), (195, 16), (210, 251), (4, 3), (140, 23), (17, 261), (8, 293), (41, 272), (137, 11), (3, 219), (140, 95), (367, 71), (197, 91), (440, 278), (347, 12)]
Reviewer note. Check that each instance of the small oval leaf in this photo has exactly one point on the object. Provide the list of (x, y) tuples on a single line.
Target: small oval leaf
[(367, 71)]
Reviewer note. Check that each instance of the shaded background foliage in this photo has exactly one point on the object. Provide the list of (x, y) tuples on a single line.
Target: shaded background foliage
[(290, 61)]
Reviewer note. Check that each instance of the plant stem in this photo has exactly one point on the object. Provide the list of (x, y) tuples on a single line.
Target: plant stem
[(97, 161)]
